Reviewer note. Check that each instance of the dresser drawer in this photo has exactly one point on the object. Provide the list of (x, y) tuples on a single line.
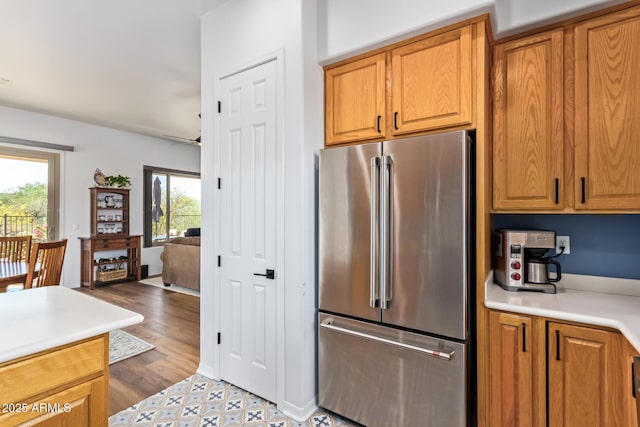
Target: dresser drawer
[(28, 377), (119, 243)]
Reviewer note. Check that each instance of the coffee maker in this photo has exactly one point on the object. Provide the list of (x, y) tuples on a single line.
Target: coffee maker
[(520, 264)]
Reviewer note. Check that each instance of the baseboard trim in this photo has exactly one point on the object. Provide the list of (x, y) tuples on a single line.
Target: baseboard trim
[(300, 414), (206, 371)]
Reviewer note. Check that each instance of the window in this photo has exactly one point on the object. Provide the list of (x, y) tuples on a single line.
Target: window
[(171, 204), (29, 193)]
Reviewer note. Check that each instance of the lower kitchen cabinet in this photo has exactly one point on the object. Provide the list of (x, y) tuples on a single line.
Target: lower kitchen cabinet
[(583, 386), (512, 373), (544, 372), (65, 386), (82, 405), (630, 411)]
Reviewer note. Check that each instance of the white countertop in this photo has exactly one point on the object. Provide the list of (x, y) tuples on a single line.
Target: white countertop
[(38, 319), (617, 311)]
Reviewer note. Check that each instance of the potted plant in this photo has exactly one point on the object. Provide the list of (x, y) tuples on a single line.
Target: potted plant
[(118, 181)]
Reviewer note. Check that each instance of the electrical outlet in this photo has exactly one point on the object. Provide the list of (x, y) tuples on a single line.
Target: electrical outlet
[(563, 241)]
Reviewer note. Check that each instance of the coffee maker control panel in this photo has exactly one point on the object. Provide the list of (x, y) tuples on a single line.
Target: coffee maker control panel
[(515, 265)]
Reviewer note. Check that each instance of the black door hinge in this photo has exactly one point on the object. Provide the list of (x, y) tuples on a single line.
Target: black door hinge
[(219, 107), (218, 337), (219, 183), (219, 260)]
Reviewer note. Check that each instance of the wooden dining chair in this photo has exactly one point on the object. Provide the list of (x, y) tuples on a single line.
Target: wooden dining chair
[(15, 249), (45, 266)]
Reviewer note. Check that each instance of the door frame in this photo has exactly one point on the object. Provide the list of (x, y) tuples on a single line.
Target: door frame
[(278, 57)]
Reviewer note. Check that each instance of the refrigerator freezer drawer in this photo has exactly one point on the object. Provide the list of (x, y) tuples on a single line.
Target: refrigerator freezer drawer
[(380, 376)]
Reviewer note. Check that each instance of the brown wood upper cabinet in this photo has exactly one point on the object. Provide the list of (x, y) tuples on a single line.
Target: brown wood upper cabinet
[(570, 93), (355, 100), (528, 137), (429, 85), (607, 145), (432, 81)]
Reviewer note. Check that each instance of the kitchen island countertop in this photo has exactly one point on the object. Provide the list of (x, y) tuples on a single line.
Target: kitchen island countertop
[(617, 311), (39, 319)]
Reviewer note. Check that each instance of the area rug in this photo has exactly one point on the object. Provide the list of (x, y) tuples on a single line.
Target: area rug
[(123, 345), (157, 282), (200, 401)]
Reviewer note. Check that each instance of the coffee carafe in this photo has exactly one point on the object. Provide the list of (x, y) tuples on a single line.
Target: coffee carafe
[(537, 269)]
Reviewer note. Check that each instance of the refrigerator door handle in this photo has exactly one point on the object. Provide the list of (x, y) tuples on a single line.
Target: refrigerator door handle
[(328, 324), (384, 194), (374, 296), (386, 233), (390, 233)]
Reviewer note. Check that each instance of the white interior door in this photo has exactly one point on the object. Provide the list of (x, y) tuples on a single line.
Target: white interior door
[(248, 229)]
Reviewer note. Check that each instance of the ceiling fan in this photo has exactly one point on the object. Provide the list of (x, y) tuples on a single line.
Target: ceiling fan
[(195, 141)]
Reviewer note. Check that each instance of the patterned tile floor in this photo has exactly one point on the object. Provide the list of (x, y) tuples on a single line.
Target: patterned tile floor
[(198, 401)]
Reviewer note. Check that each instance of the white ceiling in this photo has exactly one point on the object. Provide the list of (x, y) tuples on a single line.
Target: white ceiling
[(127, 64)]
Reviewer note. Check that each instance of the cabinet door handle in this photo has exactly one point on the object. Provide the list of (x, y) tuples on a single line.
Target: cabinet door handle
[(524, 337), (395, 120), (557, 190), (633, 382), (557, 345), (379, 119), (583, 185)]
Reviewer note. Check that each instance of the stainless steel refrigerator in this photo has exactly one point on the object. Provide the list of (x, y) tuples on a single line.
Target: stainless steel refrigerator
[(395, 272)]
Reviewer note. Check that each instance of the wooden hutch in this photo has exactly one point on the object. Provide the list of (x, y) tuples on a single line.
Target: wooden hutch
[(111, 254)]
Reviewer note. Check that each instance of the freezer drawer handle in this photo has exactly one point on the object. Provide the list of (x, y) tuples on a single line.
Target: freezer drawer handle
[(439, 354)]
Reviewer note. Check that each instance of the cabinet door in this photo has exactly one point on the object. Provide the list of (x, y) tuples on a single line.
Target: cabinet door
[(583, 385), (511, 370), (607, 153), (432, 82), (85, 405), (528, 137), (630, 385), (355, 101)]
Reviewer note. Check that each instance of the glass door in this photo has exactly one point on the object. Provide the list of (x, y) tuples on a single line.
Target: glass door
[(29, 193)]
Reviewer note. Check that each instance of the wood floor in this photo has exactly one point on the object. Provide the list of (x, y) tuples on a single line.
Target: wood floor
[(171, 323)]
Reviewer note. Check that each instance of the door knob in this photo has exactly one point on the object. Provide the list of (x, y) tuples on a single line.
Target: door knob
[(271, 274)]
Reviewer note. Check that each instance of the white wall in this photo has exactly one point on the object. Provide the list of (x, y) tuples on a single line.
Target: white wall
[(346, 28), (313, 141), (514, 16), (115, 153), (235, 34)]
